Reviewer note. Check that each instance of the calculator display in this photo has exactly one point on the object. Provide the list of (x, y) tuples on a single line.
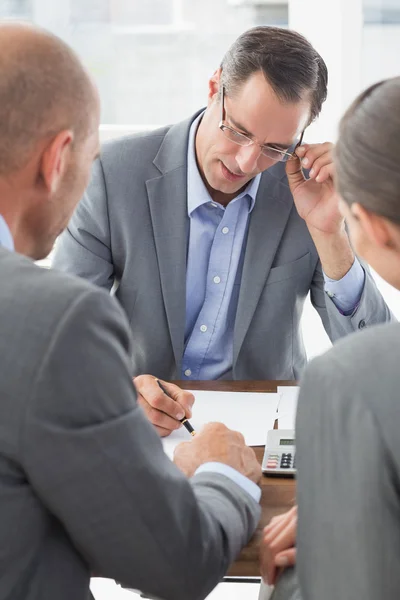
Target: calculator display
[(286, 442)]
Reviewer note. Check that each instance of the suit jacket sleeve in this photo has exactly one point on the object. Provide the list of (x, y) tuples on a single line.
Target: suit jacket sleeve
[(84, 248), (371, 310), (98, 465)]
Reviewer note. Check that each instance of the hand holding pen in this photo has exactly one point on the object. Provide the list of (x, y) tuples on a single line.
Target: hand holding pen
[(184, 420), (164, 411)]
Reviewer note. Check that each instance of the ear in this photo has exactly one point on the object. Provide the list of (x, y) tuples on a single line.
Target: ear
[(55, 159), (377, 229), (213, 85)]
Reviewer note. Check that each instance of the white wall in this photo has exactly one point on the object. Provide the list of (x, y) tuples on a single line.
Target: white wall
[(356, 55), (380, 53)]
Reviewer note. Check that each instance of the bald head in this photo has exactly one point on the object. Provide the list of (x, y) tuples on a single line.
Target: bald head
[(44, 89)]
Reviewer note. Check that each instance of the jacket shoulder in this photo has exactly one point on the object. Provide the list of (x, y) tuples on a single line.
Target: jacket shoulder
[(134, 142), (363, 367), (38, 293)]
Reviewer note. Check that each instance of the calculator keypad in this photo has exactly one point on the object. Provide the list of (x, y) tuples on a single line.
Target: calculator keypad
[(280, 461), (286, 461)]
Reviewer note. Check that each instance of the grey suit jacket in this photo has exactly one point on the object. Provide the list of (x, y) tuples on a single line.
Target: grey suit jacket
[(348, 459), (131, 229), (85, 486)]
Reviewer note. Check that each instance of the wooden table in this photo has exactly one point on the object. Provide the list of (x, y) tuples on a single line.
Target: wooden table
[(278, 493)]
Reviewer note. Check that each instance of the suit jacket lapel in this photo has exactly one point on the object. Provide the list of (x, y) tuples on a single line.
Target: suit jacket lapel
[(168, 208), (267, 223)]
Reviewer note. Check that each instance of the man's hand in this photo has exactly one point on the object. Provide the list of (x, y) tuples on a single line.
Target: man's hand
[(217, 443), (317, 202), (316, 199), (163, 412), (277, 548)]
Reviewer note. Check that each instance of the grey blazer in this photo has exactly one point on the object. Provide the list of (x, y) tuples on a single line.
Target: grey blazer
[(85, 486), (348, 458), (131, 230)]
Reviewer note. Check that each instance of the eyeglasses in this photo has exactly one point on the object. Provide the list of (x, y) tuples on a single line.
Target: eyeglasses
[(244, 140)]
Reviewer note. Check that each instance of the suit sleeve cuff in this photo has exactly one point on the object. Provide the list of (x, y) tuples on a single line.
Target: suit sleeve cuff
[(244, 482), (346, 292)]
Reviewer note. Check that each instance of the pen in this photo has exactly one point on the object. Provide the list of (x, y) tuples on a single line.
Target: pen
[(184, 421)]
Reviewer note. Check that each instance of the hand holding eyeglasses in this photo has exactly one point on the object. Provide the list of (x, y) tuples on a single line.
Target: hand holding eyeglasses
[(315, 198)]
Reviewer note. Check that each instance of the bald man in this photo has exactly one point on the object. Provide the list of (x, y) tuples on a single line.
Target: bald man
[(84, 484)]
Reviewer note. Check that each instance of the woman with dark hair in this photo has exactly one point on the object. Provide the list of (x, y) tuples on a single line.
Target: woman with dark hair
[(346, 529)]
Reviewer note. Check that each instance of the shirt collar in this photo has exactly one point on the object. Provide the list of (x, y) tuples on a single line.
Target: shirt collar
[(197, 191), (6, 239)]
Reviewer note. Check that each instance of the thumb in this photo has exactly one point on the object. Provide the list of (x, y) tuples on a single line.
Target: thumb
[(287, 558), (294, 173)]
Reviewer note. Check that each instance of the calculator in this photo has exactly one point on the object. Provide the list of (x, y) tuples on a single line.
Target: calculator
[(280, 453)]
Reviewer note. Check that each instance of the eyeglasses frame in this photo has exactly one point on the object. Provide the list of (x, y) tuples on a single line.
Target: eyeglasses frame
[(223, 127)]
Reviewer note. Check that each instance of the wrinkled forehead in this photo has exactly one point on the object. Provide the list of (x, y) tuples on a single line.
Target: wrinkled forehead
[(256, 108)]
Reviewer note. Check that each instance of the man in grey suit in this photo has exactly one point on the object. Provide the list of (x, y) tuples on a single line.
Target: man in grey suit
[(85, 486), (211, 235)]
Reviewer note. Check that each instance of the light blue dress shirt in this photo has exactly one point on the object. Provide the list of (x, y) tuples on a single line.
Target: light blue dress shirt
[(214, 268), (6, 240), (244, 482)]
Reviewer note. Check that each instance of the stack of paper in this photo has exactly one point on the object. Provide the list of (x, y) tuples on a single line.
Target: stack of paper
[(288, 396), (251, 413)]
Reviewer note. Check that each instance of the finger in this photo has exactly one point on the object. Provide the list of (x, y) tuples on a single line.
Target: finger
[(268, 571), (287, 558), (325, 173), (285, 539), (154, 396), (325, 159), (289, 513), (158, 418), (270, 539), (183, 397), (277, 525), (267, 564), (147, 386), (272, 570), (279, 518), (310, 152), (301, 150), (294, 173)]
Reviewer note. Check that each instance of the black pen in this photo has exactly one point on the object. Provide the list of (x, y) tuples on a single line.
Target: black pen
[(184, 421)]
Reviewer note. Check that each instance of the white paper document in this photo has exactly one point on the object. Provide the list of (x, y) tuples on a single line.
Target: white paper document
[(287, 408), (251, 413)]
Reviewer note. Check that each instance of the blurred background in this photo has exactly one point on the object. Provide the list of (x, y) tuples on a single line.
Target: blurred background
[(151, 60)]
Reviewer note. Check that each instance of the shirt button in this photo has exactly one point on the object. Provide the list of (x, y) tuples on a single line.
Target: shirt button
[(203, 328), (217, 279), (362, 324), (214, 205), (225, 230), (188, 372)]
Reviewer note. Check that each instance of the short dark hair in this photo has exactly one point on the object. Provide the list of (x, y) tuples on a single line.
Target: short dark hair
[(288, 61), (367, 153)]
